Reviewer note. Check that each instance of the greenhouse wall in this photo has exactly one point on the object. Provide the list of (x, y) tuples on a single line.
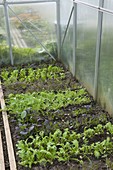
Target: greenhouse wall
[(90, 57), (105, 83), (86, 45)]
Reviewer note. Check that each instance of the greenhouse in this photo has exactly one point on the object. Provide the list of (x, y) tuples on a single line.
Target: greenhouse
[(56, 86)]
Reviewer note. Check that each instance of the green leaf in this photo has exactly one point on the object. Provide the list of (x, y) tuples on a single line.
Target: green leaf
[(23, 114), (97, 154), (76, 144)]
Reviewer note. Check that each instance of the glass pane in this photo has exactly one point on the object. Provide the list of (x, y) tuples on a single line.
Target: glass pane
[(67, 55), (67, 48), (105, 84), (108, 4), (95, 2), (86, 45), (32, 28), (65, 9), (4, 50)]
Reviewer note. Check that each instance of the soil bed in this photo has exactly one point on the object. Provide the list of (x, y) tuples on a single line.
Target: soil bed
[(49, 100)]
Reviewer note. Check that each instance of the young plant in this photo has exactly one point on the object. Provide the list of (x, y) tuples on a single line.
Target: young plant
[(42, 149), (4, 75)]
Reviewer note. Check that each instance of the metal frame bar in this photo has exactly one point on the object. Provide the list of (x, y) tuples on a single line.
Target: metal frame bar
[(100, 8), (98, 49), (38, 29), (27, 2), (67, 26), (30, 2), (74, 38), (32, 34), (84, 3), (58, 28), (107, 11), (8, 30)]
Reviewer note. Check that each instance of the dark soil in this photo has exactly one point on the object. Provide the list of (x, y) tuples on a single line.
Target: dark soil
[(92, 116)]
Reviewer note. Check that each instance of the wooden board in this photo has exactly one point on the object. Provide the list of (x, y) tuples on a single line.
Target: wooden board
[(10, 148), (2, 165)]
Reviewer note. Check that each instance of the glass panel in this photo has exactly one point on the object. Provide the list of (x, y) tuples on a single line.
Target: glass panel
[(65, 8), (86, 45), (67, 48), (32, 24), (95, 2), (108, 4), (67, 55), (4, 50), (105, 84)]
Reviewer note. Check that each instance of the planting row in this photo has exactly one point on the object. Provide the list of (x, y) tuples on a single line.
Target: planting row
[(37, 77), (31, 75), (45, 110), (46, 100), (50, 125), (64, 146)]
